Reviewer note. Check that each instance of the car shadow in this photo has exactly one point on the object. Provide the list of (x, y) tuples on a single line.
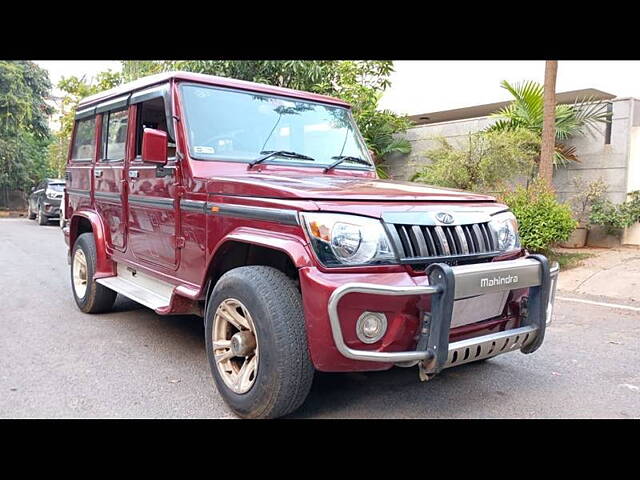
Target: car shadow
[(392, 393)]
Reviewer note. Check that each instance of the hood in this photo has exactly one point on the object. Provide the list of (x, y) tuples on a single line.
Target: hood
[(333, 187)]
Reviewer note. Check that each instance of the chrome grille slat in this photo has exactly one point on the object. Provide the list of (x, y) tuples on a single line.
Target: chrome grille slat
[(480, 237), (419, 239), (463, 239), (430, 244), (442, 239)]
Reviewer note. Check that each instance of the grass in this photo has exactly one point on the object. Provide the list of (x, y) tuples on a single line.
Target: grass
[(568, 260)]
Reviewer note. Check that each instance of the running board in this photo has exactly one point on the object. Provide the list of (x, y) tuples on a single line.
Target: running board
[(139, 287)]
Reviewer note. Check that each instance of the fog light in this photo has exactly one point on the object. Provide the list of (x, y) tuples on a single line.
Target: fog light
[(371, 327)]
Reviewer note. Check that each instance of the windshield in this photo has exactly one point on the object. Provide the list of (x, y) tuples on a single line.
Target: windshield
[(240, 126), (57, 187)]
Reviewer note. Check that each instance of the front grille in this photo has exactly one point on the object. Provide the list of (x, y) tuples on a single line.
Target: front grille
[(419, 243)]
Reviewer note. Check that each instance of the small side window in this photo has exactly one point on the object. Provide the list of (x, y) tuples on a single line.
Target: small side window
[(114, 135), (84, 141)]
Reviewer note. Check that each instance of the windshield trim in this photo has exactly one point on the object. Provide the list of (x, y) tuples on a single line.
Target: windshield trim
[(273, 160)]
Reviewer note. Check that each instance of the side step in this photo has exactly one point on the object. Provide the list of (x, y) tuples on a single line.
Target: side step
[(139, 287)]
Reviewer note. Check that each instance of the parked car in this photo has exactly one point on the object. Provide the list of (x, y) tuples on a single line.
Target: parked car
[(44, 201), (259, 208)]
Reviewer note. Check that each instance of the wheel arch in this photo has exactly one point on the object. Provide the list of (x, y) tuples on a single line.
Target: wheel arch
[(87, 221), (249, 246)]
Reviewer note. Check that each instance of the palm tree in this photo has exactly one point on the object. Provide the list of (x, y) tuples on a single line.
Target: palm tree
[(547, 148), (526, 111)]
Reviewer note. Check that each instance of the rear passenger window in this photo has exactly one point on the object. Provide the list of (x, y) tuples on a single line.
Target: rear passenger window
[(114, 135), (84, 142)]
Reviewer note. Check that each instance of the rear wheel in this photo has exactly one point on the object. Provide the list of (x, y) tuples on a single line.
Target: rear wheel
[(30, 214), (257, 342), (90, 296)]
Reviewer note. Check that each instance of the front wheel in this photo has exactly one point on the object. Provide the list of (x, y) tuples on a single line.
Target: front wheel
[(257, 342), (41, 217), (90, 296)]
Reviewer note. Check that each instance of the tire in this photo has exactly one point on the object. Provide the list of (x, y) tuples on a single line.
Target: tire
[(40, 217), (96, 298), (30, 214), (284, 369)]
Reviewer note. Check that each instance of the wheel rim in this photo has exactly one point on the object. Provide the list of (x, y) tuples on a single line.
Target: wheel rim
[(79, 273), (235, 345)]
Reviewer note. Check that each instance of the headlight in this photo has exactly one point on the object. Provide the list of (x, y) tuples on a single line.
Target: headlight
[(51, 194), (347, 239), (506, 227)]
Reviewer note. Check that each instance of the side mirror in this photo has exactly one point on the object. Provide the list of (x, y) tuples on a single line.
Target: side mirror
[(33, 189), (154, 146)]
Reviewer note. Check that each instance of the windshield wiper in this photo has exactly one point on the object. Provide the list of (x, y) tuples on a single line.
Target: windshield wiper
[(344, 158), (278, 153)]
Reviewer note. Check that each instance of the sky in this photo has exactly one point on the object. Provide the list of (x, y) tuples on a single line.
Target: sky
[(430, 86)]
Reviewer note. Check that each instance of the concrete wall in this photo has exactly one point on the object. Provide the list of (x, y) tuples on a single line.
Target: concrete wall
[(599, 160), (617, 163)]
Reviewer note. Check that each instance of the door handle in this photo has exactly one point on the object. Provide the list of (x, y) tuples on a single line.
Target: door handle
[(97, 173), (133, 173)]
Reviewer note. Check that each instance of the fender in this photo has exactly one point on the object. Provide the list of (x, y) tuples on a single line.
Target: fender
[(292, 245), (105, 266)]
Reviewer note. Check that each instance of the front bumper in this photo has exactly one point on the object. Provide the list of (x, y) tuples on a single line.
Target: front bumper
[(51, 208), (447, 284)]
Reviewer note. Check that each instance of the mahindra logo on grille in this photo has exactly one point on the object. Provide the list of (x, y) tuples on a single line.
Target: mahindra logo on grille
[(444, 217), (497, 280)]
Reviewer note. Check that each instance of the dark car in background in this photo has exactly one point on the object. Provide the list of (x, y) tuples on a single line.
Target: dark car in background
[(44, 201)]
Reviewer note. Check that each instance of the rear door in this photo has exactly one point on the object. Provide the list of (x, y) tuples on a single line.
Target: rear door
[(80, 166), (109, 183), (153, 216)]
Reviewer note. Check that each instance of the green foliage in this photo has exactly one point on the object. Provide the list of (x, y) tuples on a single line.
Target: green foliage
[(542, 220), (24, 130), (526, 111), (75, 89), (360, 83), (616, 217), (483, 163)]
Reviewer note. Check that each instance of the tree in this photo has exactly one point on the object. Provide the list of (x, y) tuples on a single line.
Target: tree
[(545, 170), (75, 88), (24, 130), (527, 111), (360, 83)]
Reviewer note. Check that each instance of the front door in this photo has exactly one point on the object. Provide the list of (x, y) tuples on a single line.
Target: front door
[(153, 218)]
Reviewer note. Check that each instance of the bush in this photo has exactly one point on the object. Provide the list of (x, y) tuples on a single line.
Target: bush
[(487, 160), (616, 217), (542, 220)]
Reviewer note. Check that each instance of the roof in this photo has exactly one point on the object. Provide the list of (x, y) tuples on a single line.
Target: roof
[(159, 78), (485, 110)]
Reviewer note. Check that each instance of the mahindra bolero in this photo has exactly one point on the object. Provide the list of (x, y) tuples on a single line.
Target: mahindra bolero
[(259, 209)]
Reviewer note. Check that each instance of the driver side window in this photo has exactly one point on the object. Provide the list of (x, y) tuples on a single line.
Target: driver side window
[(151, 114)]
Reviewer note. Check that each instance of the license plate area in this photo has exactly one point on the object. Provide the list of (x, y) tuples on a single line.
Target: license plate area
[(478, 308)]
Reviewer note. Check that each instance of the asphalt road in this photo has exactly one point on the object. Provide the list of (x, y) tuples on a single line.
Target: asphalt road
[(56, 362)]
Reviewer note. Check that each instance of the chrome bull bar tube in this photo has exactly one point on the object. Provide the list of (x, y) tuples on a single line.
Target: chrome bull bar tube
[(447, 284)]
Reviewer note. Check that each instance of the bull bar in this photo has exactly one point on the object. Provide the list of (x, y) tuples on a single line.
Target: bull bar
[(447, 284)]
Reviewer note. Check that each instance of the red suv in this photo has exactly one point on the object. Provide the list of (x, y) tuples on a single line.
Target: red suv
[(259, 209)]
